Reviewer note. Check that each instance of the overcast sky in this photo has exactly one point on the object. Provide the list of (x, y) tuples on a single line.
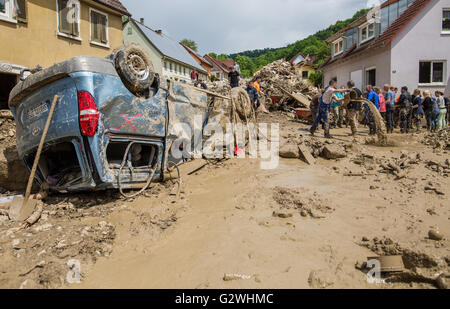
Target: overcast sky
[(229, 26)]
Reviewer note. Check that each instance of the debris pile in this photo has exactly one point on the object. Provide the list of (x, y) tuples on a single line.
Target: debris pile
[(439, 140), (280, 82)]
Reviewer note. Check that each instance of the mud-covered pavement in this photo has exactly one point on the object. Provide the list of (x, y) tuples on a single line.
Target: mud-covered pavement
[(237, 226)]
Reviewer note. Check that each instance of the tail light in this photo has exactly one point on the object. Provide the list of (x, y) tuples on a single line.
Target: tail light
[(87, 113)]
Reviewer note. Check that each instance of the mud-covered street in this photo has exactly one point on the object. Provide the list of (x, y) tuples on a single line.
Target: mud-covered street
[(237, 226)]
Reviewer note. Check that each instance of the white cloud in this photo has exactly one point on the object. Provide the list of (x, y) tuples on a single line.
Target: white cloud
[(237, 25)]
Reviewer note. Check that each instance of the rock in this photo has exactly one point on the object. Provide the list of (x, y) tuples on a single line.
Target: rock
[(332, 152), (16, 243), (305, 155), (282, 215), (304, 213), (442, 282), (320, 279), (289, 151), (435, 235)]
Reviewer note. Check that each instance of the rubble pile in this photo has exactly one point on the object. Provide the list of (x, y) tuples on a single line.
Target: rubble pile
[(282, 88), (280, 81), (13, 173), (439, 140)]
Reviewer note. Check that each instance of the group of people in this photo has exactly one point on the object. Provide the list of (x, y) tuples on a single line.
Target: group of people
[(404, 110)]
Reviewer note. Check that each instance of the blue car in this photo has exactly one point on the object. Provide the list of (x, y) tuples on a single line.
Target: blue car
[(112, 125)]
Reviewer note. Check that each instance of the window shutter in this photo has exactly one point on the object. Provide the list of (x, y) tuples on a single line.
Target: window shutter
[(21, 10), (103, 29), (64, 25)]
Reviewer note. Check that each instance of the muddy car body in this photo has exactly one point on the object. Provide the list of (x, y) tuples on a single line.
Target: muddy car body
[(95, 121)]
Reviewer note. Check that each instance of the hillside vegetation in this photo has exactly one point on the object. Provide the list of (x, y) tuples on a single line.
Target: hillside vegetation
[(251, 61)]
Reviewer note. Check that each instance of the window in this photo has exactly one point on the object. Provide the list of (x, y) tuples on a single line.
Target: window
[(69, 18), (99, 27), (165, 65), (305, 74), (446, 21), (171, 68), (351, 37), (431, 72), (338, 47), (367, 32), (371, 76), (13, 10)]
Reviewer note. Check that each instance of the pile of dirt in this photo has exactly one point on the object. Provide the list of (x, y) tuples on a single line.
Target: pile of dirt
[(13, 173), (438, 140), (301, 201)]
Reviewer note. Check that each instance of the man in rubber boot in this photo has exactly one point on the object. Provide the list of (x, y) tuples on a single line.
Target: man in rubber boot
[(405, 103), (324, 108), (354, 108)]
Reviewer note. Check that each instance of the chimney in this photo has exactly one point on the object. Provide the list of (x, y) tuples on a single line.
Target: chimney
[(142, 20), (159, 31)]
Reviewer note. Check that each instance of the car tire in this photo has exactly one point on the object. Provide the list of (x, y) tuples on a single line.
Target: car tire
[(241, 102), (134, 67)]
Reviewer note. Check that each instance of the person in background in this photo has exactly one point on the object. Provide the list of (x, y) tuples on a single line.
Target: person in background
[(405, 106), (382, 103), (389, 98), (324, 108), (237, 68), (314, 105), (202, 84), (234, 78), (396, 110), (336, 108), (442, 110), (374, 98), (435, 114), (257, 85), (253, 94), (447, 104), (427, 105), (417, 108), (354, 108), (194, 75)]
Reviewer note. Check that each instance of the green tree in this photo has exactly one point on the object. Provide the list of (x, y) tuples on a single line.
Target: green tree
[(223, 57), (190, 43), (213, 55)]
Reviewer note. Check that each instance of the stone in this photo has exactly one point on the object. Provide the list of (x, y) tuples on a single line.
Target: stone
[(435, 235), (282, 215), (289, 152), (332, 152)]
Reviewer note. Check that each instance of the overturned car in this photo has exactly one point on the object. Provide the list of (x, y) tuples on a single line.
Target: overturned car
[(112, 125)]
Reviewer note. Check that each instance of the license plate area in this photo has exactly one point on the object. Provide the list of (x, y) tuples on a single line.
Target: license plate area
[(37, 111)]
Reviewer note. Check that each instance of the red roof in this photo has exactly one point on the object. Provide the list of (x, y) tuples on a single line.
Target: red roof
[(217, 63), (115, 5), (400, 22), (295, 57), (228, 63)]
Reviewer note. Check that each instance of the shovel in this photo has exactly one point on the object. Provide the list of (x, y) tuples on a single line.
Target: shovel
[(23, 207)]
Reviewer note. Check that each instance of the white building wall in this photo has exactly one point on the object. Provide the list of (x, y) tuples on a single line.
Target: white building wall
[(378, 59), (421, 40)]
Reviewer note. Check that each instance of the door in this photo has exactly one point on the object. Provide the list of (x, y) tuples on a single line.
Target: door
[(356, 76)]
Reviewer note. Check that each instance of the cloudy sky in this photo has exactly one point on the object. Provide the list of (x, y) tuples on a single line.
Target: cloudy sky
[(228, 26)]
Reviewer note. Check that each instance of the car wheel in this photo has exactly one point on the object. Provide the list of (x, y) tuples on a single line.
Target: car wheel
[(134, 67)]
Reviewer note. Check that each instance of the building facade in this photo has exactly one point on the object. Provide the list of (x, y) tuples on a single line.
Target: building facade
[(170, 59), (218, 71), (401, 43), (45, 32), (304, 66)]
